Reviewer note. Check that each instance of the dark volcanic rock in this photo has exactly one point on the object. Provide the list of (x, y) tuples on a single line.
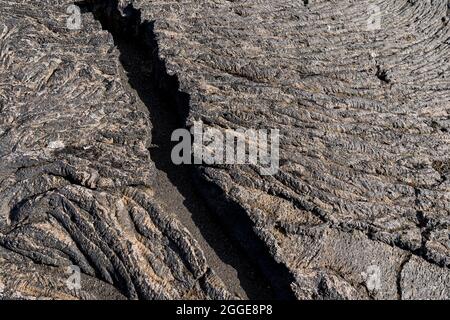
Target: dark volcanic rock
[(76, 180), (359, 209), (364, 121)]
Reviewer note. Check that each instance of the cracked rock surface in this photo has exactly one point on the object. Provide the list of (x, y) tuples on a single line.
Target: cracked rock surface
[(364, 122), (360, 208), (75, 174)]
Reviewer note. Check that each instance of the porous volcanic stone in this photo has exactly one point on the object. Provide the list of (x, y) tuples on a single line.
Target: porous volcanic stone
[(359, 209), (75, 173), (364, 120)]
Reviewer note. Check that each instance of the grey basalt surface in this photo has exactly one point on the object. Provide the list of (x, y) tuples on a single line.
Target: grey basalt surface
[(363, 187), (364, 120), (76, 179)]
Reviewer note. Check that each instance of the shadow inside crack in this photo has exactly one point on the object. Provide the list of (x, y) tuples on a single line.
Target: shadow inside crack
[(146, 74)]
